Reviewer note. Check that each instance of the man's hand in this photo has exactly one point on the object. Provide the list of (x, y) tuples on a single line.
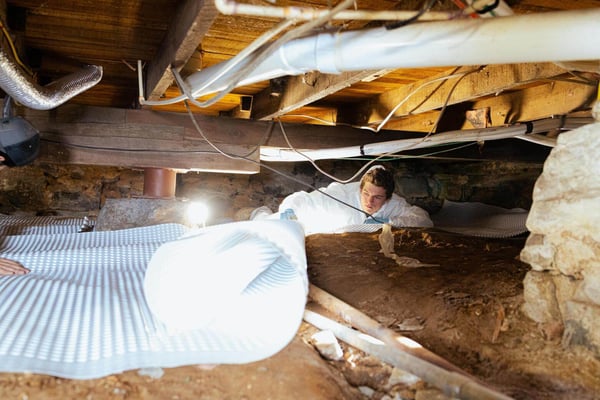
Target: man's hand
[(10, 267)]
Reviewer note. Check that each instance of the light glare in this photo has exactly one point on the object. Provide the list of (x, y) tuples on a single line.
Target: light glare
[(198, 213)]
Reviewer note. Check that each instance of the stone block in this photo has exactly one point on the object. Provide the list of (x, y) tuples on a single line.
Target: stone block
[(538, 253), (130, 213), (589, 290), (539, 293), (582, 325), (566, 289)]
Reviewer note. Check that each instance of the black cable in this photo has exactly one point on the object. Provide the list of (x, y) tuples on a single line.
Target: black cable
[(233, 156), (488, 8), (398, 24)]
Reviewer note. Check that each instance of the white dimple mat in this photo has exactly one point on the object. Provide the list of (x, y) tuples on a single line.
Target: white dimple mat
[(26, 225), (81, 312)]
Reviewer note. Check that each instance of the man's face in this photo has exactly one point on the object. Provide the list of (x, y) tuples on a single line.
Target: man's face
[(372, 197)]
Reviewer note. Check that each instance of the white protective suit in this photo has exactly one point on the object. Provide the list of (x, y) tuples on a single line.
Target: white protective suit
[(319, 213)]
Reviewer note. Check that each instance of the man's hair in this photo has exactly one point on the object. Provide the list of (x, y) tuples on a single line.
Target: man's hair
[(380, 176)]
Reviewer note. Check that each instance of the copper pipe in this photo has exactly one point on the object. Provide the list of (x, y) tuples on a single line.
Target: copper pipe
[(159, 183)]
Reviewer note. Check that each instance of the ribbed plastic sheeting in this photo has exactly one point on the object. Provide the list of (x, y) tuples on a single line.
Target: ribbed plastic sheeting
[(479, 219), (468, 218), (221, 276), (26, 225), (81, 312), (362, 228)]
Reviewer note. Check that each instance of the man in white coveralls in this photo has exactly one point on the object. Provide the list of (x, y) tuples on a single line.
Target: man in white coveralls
[(372, 200)]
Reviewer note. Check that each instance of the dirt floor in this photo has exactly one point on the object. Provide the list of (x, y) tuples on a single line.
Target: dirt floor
[(466, 310)]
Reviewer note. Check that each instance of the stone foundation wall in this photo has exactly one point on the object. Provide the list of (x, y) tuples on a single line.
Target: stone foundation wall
[(562, 291), (69, 189)]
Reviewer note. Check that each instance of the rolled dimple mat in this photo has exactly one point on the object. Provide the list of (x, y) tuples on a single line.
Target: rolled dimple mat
[(27, 225), (82, 312), (479, 219)]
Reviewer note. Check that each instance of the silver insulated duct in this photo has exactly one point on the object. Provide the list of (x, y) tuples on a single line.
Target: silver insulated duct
[(30, 94)]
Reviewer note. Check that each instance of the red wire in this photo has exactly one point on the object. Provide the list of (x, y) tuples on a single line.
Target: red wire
[(462, 6)]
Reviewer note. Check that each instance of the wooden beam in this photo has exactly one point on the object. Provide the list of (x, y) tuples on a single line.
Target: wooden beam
[(551, 99), (144, 138), (146, 153), (135, 139), (301, 90), (543, 101), (433, 93), (192, 20)]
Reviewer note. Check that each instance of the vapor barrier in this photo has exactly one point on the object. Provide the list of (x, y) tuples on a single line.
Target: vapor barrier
[(82, 311)]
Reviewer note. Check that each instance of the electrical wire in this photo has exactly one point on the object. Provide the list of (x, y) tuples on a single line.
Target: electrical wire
[(489, 7), (256, 44), (271, 48), (246, 52), (14, 50), (426, 7), (463, 7), (393, 157), (447, 100), (274, 170), (116, 149), (580, 79), (211, 144), (387, 154), (474, 9), (324, 121), (353, 177), (256, 59), (216, 150), (412, 92)]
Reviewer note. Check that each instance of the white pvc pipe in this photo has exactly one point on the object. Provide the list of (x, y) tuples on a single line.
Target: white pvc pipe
[(538, 139), (542, 37), (393, 146)]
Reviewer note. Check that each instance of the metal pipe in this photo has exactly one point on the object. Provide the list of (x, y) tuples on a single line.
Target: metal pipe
[(30, 94)]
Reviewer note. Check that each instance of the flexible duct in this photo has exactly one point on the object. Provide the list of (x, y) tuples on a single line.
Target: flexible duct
[(511, 39), (25, 91)]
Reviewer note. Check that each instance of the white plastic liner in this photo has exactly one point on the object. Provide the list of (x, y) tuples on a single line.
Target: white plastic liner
[(81, 312), (479, 219), (362, 228), (468, 218), (229, 277)]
